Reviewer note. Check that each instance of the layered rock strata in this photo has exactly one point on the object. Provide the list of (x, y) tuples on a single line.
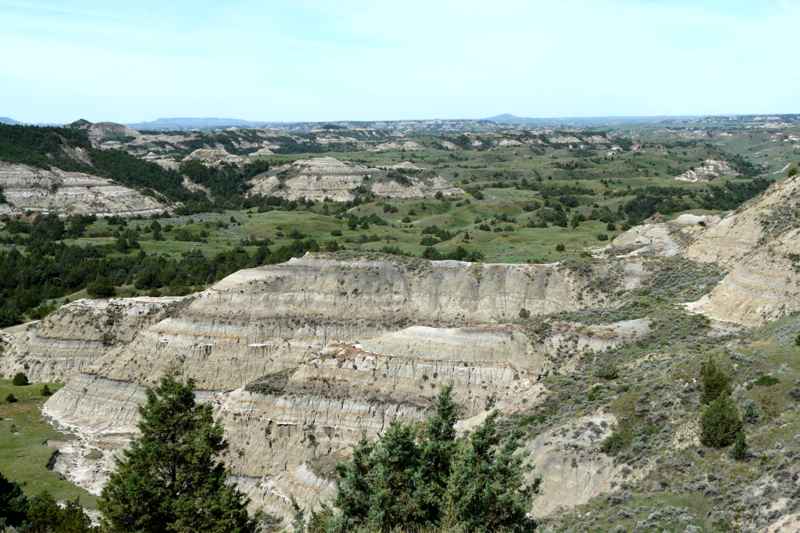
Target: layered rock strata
[(33, 189), (323, 178), (300, 359)]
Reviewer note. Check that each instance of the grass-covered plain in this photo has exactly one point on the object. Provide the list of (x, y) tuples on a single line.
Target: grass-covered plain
[(24, 453)]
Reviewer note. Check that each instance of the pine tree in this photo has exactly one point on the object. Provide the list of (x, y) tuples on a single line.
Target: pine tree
[(438, 448), (416, 479), (352, 496), (171, 479), (487, 490)]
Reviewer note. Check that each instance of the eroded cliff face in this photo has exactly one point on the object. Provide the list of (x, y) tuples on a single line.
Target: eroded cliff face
[(757, 246), (78, 334), (28, 188), (326, 177), (300, 359)]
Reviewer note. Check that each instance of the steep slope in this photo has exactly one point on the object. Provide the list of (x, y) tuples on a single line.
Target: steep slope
[(299, 359), (759, 245)]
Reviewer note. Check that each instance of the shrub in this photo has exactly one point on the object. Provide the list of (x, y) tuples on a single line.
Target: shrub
[(616, 442), (739, 451), (715, 381), (46, 391), (602, 237), (608, 371), (751, 414), (766, 381), (720, 423), (524, 313), (20, 379), (560, 247), (11, 398)]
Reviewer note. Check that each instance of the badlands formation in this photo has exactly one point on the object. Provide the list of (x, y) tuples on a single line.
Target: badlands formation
[(302, 358), (757, 245), (299, 359), (326, 177), (27, 188)]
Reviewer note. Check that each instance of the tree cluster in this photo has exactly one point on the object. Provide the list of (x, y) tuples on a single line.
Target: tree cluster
[(416, 478)]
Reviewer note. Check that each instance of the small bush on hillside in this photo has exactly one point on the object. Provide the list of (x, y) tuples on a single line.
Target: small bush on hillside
[(751, 413), (602, 237), (739, 450), (766, 381), (20, 379), (720, 423), (560, 247), (616, 442), (11, 398), (46, 391), (524, 313), (608, 371), (715, 382)]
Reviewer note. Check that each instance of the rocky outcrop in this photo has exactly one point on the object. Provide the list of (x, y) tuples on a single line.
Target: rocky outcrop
[(570, 464), (300, 359), (78, 334), (323, 178), (711, 169), (758, 244), (28, 188), (215, 157), (665, 238)]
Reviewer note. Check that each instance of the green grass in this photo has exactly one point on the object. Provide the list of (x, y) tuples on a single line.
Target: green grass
[(24, 453)]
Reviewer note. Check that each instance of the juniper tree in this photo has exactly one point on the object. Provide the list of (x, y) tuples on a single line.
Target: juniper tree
[(720, 423), (171, 478), (714, 380)]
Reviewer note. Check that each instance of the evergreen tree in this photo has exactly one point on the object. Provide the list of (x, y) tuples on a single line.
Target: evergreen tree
[(437, 450), (13, 503), (487, 490), (415, 479), (715, 382), (171, 479), (720, 423), (46, 516)]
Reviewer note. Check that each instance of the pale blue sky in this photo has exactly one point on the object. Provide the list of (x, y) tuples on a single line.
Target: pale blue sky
[(372, 59)]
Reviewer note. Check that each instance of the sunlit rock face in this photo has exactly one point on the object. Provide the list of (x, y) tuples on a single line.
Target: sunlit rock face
[(301, 359), (57, 191)]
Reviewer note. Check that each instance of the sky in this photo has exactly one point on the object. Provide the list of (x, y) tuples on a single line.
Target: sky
[(304, 60)]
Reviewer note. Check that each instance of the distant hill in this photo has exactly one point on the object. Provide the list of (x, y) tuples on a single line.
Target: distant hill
[(194, 123), (508, 118), (9, 121)]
